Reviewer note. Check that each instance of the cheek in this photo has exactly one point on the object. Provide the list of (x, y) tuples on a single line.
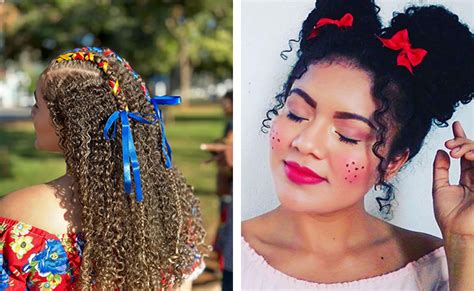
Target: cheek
[(46, 137), (275, 140), (352, 169), (279, 137)]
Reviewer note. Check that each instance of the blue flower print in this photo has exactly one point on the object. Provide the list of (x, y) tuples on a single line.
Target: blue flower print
[(3, 274), (52, 260), (79, 244)]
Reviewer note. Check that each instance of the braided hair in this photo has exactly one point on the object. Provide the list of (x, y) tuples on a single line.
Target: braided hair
[(154, 243)]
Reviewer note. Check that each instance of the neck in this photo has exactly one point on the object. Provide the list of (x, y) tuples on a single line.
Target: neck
[(343, 230), (64, 185)]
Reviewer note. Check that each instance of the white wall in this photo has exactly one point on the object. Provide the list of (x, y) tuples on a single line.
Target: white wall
[(267, 25)]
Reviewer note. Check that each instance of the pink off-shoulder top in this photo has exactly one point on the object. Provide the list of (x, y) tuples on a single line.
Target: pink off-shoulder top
[(429, 272)]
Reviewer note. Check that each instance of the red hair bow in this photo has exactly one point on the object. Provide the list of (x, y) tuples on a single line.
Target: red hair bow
[(345, 21), (408, 57)]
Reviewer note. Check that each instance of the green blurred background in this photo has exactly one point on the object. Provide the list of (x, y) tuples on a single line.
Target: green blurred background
[(179, 47)]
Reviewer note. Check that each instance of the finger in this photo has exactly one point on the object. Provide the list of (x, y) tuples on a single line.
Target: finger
[(467, 168), (459, 151), (440, 170), (458, 131), (469, 156), (455, 142)]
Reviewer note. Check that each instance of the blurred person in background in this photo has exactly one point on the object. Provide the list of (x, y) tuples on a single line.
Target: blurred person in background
[(224, 180)]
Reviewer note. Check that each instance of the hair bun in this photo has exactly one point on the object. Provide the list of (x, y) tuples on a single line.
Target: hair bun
[(444, 77), (364, 12)]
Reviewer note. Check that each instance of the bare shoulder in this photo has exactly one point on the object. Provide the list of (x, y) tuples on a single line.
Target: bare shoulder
[(253, 229), (263, 234), (416, 244), (37, 205)]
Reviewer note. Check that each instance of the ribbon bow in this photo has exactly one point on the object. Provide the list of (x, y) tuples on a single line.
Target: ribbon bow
[(129, 154), (345, 21), (164, 100), (408, 57)]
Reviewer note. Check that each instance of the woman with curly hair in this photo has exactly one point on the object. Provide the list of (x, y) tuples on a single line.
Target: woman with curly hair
[(355, 108), (122, 217)]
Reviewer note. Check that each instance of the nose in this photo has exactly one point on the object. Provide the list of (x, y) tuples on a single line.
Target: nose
[(312, 140)]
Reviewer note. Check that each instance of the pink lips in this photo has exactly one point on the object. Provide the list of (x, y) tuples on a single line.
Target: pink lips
[(301, 175)]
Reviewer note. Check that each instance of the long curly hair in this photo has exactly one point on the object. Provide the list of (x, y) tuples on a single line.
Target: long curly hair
[(407, 103), (128, 244)]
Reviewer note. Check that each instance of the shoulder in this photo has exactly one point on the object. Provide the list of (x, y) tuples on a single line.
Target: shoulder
[(426, 254), (416, 244), (263, 235), (255, 228), (38, 205)]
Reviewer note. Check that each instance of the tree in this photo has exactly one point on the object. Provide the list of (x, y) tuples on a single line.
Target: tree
[(156, 37)]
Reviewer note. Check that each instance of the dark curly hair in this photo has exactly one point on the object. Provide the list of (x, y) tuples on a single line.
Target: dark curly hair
[(408, 103), (128, 245)]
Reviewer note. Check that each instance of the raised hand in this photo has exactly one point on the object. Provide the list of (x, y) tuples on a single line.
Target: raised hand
[(454, 204)]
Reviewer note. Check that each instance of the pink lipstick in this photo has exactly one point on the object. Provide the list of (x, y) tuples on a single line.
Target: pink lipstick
[(301, 175)]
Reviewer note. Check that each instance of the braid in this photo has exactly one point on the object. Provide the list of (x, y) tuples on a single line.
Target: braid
[(156, 242), (103, 65)]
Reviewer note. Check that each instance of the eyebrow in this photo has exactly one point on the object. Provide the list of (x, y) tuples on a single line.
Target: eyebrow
[(305, 96), (350, 115), (338, 114)]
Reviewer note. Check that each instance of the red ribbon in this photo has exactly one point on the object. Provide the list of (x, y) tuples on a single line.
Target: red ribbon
[(408, 57), (345, 21)]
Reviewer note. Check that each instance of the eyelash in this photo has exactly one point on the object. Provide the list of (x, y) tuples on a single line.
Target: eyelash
[(342, 138), (347, 140), (295, 118)]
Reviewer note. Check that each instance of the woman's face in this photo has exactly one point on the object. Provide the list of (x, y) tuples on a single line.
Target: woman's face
[(321, 141), (46, 137)]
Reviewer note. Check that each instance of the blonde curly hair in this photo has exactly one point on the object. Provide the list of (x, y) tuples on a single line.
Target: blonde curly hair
[(128, 244)]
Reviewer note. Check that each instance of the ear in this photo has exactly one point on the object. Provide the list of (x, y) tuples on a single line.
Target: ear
[(395, 164)]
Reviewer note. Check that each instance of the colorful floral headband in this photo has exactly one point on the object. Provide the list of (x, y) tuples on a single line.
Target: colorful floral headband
[(129, 155), (408, 57)]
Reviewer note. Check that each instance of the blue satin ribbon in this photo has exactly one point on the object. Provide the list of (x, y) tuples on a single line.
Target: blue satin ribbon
[(164, 100), (129, 154)]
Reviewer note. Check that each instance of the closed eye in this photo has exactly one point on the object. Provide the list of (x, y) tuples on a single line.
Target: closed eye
[(295, 118), (347, 140)]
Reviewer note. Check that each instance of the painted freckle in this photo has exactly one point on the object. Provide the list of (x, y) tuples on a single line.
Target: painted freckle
[(355, 176), (353, 163), (357, 169), (381, 258), (278, 140), (347, 165), (362, 167)]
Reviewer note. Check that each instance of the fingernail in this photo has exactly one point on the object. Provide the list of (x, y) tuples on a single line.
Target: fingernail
[(456, 149)]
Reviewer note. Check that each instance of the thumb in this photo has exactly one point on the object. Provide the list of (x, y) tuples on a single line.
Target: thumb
[(440, 170)]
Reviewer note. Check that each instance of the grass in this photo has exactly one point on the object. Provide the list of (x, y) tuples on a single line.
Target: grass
[(21, 165)]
